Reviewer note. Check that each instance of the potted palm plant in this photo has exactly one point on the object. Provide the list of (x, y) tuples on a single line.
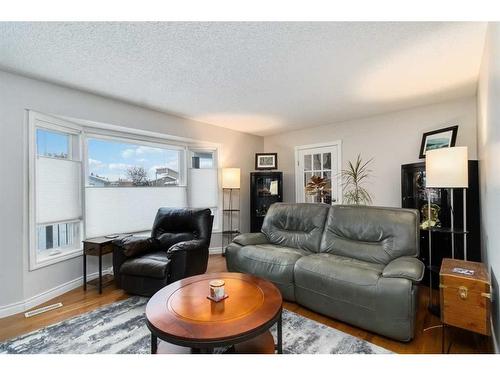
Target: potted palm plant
[(354, 178)]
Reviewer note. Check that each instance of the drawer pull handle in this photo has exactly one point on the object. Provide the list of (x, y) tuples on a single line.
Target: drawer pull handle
[(486, 295), (462, 292)]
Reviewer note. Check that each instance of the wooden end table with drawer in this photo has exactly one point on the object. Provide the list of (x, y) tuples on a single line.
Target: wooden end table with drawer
[(465, 296), (98, 246)]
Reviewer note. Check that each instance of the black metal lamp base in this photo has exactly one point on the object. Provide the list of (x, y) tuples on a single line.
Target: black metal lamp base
[(435, 310)]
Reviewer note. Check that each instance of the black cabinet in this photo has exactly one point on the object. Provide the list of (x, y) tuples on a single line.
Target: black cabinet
[(266, 188), (414, 195)]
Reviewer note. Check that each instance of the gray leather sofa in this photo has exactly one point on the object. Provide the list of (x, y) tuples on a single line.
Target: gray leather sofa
[(353, 263)]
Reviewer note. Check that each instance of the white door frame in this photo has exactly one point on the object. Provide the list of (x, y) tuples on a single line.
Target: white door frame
[(298, 184)]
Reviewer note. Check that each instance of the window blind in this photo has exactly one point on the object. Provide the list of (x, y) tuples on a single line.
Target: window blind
[(203, 188), (124, 209), (58, 190)]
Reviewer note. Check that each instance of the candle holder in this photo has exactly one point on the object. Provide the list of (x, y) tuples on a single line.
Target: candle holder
[(217, 292)]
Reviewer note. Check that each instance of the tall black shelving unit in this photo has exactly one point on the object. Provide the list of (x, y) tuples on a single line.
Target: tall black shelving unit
[(266, 188), (415, 195)]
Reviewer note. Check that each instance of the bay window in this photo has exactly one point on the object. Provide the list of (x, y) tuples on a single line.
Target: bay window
[(116, 162), (56, 212), (87, 182), (128, 180)]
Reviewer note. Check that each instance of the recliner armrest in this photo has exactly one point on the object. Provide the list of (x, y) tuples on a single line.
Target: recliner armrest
[(132, 246), (185, 246), (405, 267), (127, 247), (251, 239), (187, 258)]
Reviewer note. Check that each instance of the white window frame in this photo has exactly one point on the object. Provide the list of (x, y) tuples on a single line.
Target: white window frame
[(55, 125), (206, 150), (130, 138), (87, 130)]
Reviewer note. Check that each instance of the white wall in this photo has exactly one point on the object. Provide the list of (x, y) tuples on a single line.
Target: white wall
[(18, 94), (391, 139), (489, 159)]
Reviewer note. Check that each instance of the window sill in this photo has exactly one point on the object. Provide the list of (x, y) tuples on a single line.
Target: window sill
[(36, 264), (136, 187)]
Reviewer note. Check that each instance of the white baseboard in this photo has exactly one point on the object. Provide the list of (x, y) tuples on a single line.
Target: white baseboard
[(215, 250), (22, 306)]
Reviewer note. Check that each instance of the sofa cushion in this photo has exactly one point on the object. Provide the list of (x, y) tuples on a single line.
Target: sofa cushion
[(371, 234), (355, 292), (296, 225), (153, 265), (340, 278), (271, 262)]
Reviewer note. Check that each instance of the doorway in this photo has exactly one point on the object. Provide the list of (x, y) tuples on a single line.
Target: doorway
[(322, 160)]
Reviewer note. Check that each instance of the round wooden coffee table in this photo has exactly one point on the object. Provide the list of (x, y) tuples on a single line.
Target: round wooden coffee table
[(181, 314)]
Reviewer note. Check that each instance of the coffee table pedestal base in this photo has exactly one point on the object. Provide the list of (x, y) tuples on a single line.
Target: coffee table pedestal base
[(262, 344)]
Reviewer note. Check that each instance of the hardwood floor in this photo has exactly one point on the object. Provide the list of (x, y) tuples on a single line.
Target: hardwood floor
[(77, 302)]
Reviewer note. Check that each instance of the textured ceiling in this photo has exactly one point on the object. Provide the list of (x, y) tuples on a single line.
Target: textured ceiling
[(260, 78)]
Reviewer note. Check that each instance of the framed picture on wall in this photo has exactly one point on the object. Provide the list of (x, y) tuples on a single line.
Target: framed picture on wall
[(440, 138), (266, 161)]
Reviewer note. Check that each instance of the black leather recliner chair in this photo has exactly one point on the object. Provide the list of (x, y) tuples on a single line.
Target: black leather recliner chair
[(177, 248)]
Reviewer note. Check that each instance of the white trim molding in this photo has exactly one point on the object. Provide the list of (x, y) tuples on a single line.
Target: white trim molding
[(85, 130), (22, 306), (36, 121), (215, 250)]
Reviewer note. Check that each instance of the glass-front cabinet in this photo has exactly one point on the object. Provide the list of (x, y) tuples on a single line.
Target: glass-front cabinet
[(266, 188), (444, 242)]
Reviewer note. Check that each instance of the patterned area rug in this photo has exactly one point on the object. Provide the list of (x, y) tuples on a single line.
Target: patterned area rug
[(120, 328)]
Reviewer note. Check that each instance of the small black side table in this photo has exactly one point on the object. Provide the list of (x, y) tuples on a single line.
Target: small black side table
[(98, 246)]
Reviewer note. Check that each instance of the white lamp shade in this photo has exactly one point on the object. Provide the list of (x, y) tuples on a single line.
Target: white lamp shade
[(447, 168), (230, 178)]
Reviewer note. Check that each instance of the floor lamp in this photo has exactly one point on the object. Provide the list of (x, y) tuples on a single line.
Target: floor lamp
[(230, 183), (447, 168)]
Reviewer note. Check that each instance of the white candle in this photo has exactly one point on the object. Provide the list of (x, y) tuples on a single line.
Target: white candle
[(217, 289)]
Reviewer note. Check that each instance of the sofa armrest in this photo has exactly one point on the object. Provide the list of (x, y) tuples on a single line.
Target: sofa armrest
[(187, 258), (406, 268), (251, 239)]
